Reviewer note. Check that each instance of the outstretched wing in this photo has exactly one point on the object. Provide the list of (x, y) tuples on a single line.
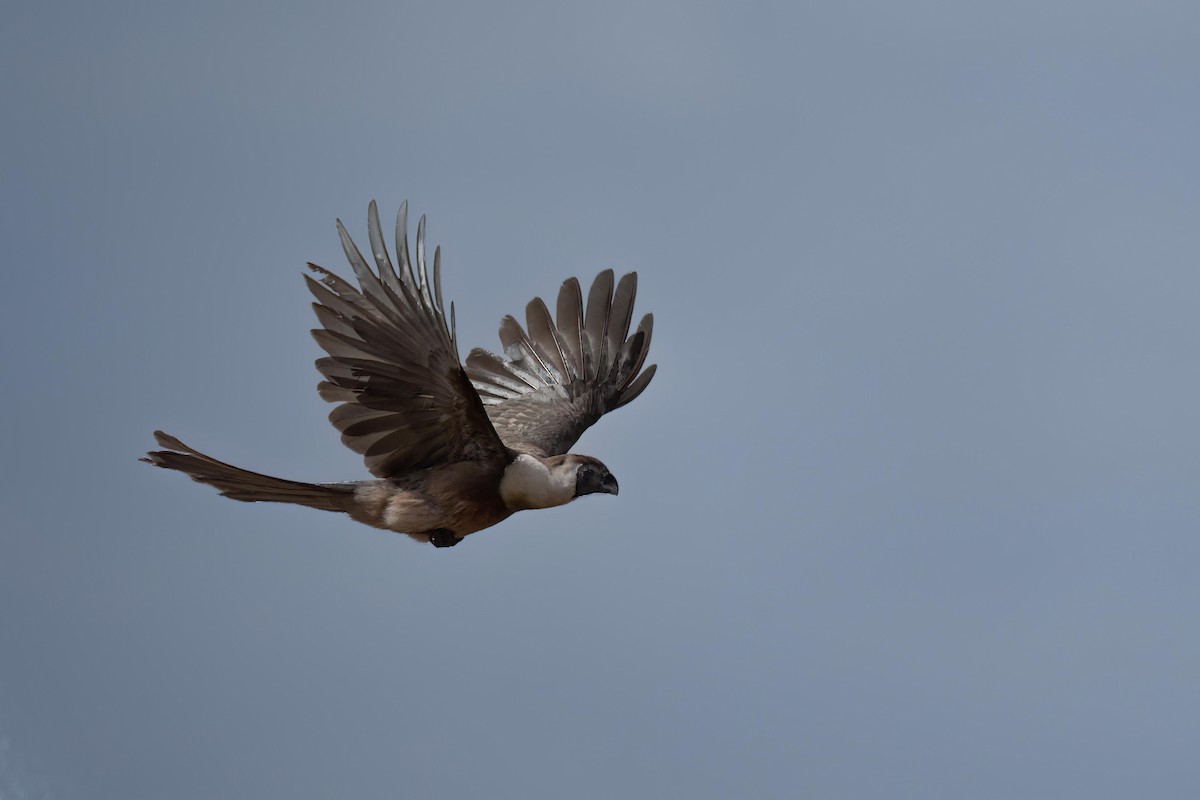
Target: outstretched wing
[(405, 401), (558, 379)]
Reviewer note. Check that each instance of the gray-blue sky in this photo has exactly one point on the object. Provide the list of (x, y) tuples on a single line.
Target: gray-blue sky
[(909, 511)]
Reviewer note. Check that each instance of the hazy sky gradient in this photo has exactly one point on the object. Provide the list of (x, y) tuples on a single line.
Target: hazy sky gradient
[(910, 509)]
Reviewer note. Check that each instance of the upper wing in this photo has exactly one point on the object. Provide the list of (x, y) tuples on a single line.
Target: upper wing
[(556, 380), (406, 402)]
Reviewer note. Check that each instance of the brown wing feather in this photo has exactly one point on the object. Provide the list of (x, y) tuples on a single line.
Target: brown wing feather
[(555, 381), (405, 401)]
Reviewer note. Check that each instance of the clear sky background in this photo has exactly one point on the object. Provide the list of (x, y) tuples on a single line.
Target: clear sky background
[(910, 511)]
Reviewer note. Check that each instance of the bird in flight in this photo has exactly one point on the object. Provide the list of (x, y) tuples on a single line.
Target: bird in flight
[(453, 450)]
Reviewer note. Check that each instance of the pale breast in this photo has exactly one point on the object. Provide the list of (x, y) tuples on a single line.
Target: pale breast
[(529, 483)]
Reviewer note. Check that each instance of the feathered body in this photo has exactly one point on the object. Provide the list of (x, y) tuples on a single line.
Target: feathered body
[(454, 450)]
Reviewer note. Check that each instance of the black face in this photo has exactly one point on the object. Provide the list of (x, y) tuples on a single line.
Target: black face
[(593, 479)]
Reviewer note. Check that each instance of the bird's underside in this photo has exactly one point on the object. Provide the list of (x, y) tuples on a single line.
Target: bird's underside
[(453, 450)]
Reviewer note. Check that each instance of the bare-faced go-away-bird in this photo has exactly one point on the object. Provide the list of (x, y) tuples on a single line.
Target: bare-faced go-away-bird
[(453, 450)]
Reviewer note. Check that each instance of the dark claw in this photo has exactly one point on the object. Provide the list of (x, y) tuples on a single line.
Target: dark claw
[(442, 537)]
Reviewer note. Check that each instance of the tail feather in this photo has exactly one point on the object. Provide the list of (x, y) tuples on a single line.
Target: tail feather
[(249, 487)]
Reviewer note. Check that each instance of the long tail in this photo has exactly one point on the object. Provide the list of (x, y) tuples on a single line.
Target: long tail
[(250, 487)]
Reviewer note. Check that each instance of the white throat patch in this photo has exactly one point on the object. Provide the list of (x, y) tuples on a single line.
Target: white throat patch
[(529, 483)]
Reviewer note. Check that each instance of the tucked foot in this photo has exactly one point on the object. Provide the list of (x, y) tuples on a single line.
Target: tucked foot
[(442, 537)]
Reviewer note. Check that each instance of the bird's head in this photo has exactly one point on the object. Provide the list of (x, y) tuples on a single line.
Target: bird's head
[(592, 477)]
